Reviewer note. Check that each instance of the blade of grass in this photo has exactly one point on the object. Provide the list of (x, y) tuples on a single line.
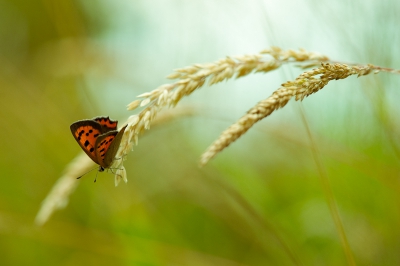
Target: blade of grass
[(327, 189)]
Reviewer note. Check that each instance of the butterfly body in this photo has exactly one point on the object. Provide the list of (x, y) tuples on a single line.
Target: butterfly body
[(99, 139)]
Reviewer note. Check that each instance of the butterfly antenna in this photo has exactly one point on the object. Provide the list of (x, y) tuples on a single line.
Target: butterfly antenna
[(79, 177), (95, 179)]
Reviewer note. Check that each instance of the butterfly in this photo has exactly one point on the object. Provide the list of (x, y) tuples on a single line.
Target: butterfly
[(99, 138)]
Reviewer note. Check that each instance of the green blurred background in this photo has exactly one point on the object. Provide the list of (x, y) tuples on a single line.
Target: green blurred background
[(261, 201)]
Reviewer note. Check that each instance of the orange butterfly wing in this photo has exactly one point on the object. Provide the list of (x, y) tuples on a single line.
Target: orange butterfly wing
[(86, 132), (107, 146), (106, 123)]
